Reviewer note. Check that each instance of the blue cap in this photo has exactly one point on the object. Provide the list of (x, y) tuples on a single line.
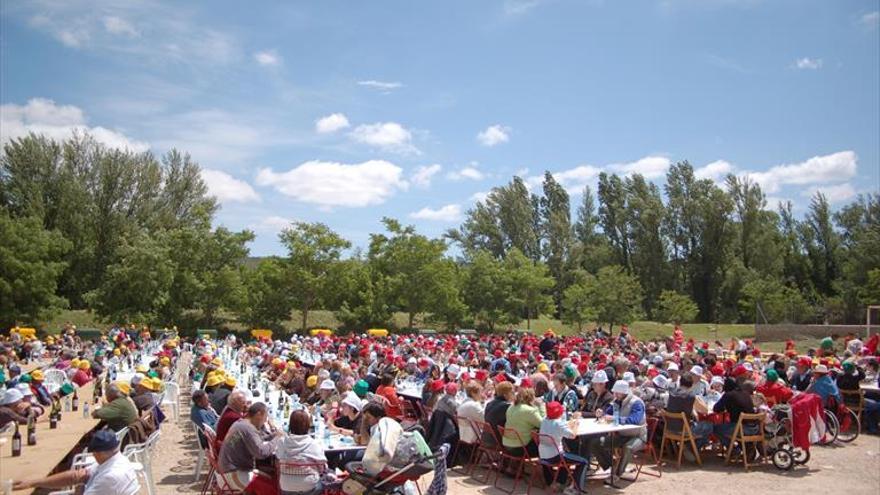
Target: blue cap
[(103, 441)]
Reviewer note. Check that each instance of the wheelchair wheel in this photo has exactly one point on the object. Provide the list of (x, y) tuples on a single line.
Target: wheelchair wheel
[(832, 428), (783, 459), (801, 456), (851, 431)]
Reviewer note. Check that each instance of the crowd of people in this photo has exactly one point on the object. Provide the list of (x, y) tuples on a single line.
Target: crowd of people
[(363, 388), (370, 390)]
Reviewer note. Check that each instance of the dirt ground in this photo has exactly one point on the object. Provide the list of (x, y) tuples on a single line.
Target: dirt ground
[(852, 469)]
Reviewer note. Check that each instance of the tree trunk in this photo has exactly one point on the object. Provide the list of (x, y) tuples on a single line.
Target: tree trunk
[(305, 318), (412, 316), (528, 319)]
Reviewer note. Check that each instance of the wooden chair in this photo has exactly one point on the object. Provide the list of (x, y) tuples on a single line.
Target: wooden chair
[(740, 436), (677, 430), (855, 401), (648, 451)]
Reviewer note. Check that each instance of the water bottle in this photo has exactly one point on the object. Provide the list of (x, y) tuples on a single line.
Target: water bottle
[(615, 408), (85, 409)]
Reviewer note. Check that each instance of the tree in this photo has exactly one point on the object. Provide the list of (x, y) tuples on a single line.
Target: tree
[(363, 295), (527, 285), (644, 219), (137, 285), (483, 290), (29, 270), (673, 307), (769, 299), (822, 244), (618, 296), (579, 299), (267, 301), (313, 249), (557, 232), (612, 216)]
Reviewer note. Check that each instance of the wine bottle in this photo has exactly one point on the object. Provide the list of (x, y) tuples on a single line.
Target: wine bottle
[(53, 421), (31, 431), (75, 403), (16, 442)]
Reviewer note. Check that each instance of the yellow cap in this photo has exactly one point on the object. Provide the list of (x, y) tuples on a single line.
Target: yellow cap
[(117, 352), (84, 365), (37, 375), (276, 361), (74, 363), (124, 387), (165, 360), (217, 362), (157, 384), (543, 368), (141, 368), (230, 381), (312, 381), (214, 380)]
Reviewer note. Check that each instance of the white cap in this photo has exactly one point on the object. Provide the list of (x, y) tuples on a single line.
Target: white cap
[(657, 360), (136, 378), (353, 401), (697, 370), (717, 379), (327, 385), (11, 396), (629, 377), (672, 367), (411, 360), (620, 387), (600, 377), (747, 365), (453, 369), (25, 389), (660, 381)]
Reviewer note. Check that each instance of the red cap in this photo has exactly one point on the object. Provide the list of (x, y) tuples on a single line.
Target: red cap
[(498, 353), (526, 383), (436, 385), (739, 370), (554, 410), (499, 378), (451, 388), (481, 375)]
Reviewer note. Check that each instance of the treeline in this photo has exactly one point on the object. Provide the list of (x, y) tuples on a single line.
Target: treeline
[(130, 237)]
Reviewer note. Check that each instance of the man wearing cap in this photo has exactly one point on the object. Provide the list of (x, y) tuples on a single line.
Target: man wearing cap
[(143, 397), (83, 373), (119, 410), (802, 377), (631, 412), (598, 397), (40, 391), (113, 473)]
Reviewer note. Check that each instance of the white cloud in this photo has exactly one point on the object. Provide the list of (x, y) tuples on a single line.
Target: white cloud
[(836, 167), (118, 25), (871, 19), (835, 194), (384, 86), (716, 171), (227, 188), (330, 184), (43, 116), (423, 175), (493, 135), (389, 136), (573, 180), (479, 197), (448, 213), (808, 63), (519, 7), (267, 58), (470, 172), (274, 223), (331, 123), (651, 167)]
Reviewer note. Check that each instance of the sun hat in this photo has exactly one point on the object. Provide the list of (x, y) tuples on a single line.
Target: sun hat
[(137, 378), (213, 380), (697, 370), (353, 401), (230, 381), (660, 381), (361, 388), (672, 367), (103, 441), (600, 377), (620, 387), (821, 369), (126, 388), (328, 385), (453, 369), (543, 368), (11, 396), (717, 379), (629, 377), (554, 410), (84, 365), (25, 389), (451, 388)]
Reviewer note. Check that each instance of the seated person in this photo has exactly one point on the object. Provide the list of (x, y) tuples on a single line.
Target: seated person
[(557, 428), (244, 446), (202, 414), (299, 447), (236, 406), (472, 409), (13, 407), (118, 411), (112, 473), (824, 386), (631, 412), (598, 397), (384, 435), (496, 411), (682, 399), (734, 401), (774, 390), (524, 417), (389, 392), (349, 423)]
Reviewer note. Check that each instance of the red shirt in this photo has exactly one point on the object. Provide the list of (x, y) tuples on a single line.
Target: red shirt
[(81, 377), (225, 422)]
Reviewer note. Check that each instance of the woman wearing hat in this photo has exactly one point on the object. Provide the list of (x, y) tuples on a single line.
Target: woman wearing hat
[(824, 386)]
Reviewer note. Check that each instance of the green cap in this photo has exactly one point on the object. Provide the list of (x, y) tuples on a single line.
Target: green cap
[(772, 376), (848, 366), (361, 388), (827, 343), (571, 372), (25, 378)]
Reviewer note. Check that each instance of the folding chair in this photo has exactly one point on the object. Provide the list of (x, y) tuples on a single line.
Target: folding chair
[(740, 436), (463, 423), (565, 462), (521, 460), (648, 451), (489, 448), (290, 468), (677, 430)]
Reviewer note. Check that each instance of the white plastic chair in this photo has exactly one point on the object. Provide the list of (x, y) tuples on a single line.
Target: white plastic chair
[(172, 397), (120, 435), (201, 459), (53, 379), (141, 454)]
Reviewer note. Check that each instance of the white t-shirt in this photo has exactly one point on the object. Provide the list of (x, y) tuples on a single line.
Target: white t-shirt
[(558, 429), (116, 476), (472, 410)]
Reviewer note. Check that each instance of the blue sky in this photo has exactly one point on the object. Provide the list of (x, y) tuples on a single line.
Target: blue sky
[(345, 112)]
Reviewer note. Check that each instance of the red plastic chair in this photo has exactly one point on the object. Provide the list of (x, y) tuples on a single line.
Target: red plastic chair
[(462, 423), (216, 486)]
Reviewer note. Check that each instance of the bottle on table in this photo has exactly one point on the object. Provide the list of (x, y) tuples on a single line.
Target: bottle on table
[(31, 431), (74, 403), (16, 442), (615, 408), (86, 410)]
